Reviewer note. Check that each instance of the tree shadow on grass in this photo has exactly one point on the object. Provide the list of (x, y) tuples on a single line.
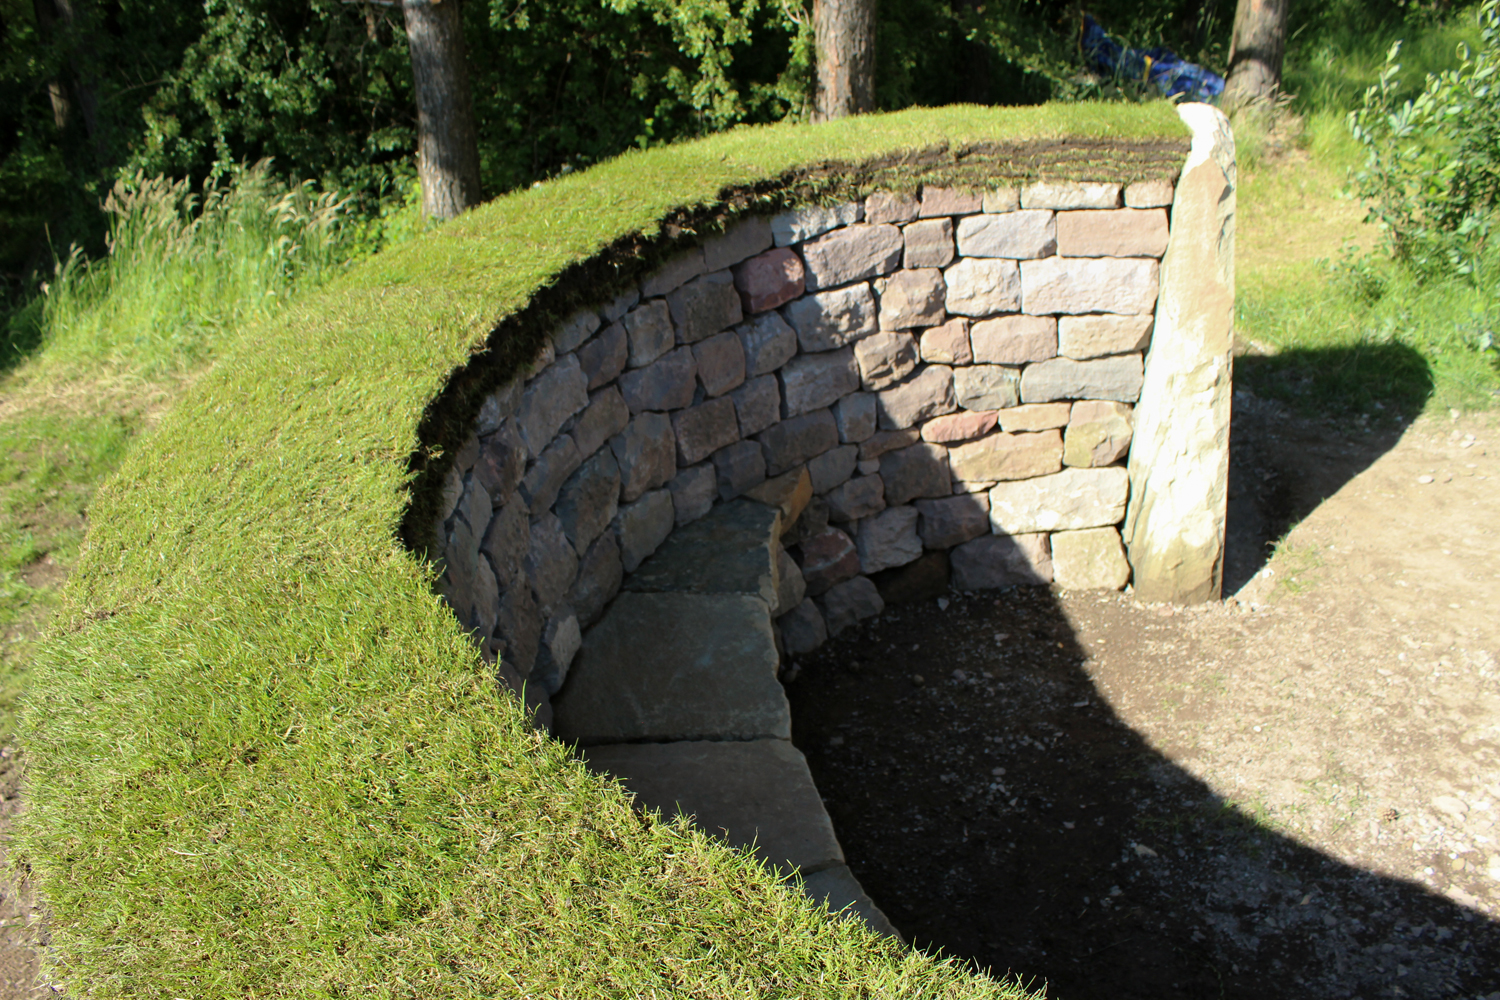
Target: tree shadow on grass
[(995, 806), (1306, 422)]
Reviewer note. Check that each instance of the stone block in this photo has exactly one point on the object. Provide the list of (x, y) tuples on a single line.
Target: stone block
[(812, 381), (507, 541), (911, 298), (642, 526), (868, 466), (1124, 285), (1116, 232), (928, 243), (851, 602), (790, 493), (1063, 195), (949, 521), (1014, 340), (757, 404), (1118, 378), (588, 500), (887, 206), (812, 522), (548, 473), (574, 330), (983, 286), (486, 604), (1071, 499), (674, 273), (694, 491), (518, 627), (501, 463), (802, 628), (1016, 235), (758, 793), (543, 360), (467, 453), (606, 416), (828, 558), (769, 280), (704, 429), (858, 498), (927, 394), (498, 407), (721, 362), (461, 564), (986, 387), (947, 344), (888, 539), (1091, 559), (958, 427), (832, 467), (885, 358), (768, 343), (950, 201), (665, 384), (674, 666), (731, 550), (851, 254), (920, 470), (855, 416), (647, 453), (561, 638), (991, 561), (829, 320), (704, 306), (600, 573), (813, 220), (603, 358), (1149, 194), (1006, 199), (1034, 417), (739, 467), (878, 444), (795, 440), (1084, 337), (1003, 457), (549, 401), (791, 589), (453, 492), (1098, 434), (551, 564), (620, 305), (649, 330), (742, 240)]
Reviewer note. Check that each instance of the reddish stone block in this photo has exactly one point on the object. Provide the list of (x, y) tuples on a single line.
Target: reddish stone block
[(768, 280)]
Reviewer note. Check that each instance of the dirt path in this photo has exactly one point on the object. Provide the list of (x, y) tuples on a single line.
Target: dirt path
[(1292, 794)]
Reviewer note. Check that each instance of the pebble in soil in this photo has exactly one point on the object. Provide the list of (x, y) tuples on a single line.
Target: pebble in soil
[(993, 805)]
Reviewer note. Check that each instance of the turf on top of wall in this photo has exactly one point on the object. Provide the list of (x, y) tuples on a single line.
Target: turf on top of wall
[(262, 759)]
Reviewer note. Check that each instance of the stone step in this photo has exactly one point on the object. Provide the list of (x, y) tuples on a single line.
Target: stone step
[(675, 666), (840, 891), (733, 549)]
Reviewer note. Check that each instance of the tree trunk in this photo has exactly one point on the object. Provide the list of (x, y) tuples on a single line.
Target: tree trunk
[(447, 145), (56, 18), (845, 31), (1256, 52)]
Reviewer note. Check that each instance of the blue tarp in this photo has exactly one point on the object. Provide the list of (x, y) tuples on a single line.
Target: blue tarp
[(1160, 67)]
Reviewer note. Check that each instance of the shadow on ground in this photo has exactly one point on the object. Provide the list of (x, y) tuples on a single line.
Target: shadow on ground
[(993, 804)]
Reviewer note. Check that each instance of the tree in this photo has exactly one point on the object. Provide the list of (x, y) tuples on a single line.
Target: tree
[(447, 144), (1256, 51), (845, 31)]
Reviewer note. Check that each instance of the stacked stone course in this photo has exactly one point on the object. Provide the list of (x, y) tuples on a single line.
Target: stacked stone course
[(952, 372)]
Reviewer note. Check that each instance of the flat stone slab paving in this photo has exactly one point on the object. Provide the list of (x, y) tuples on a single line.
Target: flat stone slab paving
[(840, 891), (730, 550), (758, 792), (675, 666)]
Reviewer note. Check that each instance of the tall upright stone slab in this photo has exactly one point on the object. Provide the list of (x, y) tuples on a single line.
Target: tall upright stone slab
[(1179, 460)]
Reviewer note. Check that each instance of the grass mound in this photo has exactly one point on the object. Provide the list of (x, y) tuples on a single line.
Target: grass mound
[(262, 759)]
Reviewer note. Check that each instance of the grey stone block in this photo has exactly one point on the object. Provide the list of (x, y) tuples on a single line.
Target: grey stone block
[(1119, 232), (603, 358), (704, 429), (949, 201), (790, 587), (951, 521), (551, 563), (832, 467), (768, 343), (1014, 340), (675, 666), (731, 550), (991, 561), (1066, 501), (498, 407), (1017, 235), (888, 539), (929, 393), (647, 453), (649, 327), (548, 473), (814, 220), (920, 470), (665, 384), (757, 404), (1089, 285), (1118, 378), (982, 286), (704, 306), (1070, 194), (550, 400), (829, 320), (851, 602), (887, 206), (929, 243), (851, 254), (859, 497), (911, 298), (721, 362), (561, 639), (674, 273), (758, 793), (642, 526), (987, 387), (518, 627), (812, 381), (508, 540), (794, 441), (741, 241), (802, 628), (838, 890), (739, 467), (606, 416), (885, 358), (620, 305), (574, 330), (828, 558), (878, 444), (855, 417), (588, 500), (599, 576), (475, 507), (694, 491)]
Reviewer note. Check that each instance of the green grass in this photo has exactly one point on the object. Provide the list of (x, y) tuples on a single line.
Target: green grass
[(263, 760)]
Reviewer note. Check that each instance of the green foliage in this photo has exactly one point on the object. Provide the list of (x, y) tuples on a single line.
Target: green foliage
[(1432, 163)]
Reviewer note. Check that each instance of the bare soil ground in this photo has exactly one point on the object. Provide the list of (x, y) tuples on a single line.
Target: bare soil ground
[(1292, 793)]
